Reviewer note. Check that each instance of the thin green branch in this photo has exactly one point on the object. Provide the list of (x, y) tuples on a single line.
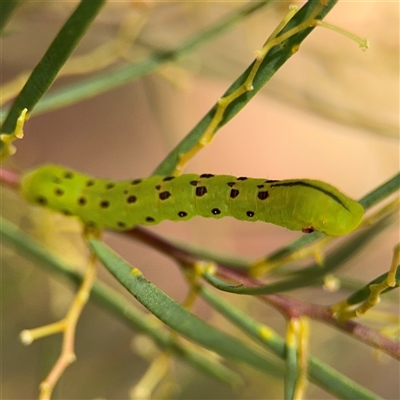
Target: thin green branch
[(6, 10), (55, 57), (307, 276), (363, 293), (275, 58), (381, 192), (177, 317), (111, 79)]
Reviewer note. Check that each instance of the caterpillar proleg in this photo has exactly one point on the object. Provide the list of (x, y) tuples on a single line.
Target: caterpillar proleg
[(297, 204)]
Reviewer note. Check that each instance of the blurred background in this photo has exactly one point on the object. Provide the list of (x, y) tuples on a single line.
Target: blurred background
[(330, 113)]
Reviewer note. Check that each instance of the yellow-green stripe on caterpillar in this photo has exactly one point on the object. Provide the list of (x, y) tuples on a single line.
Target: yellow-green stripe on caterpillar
[(297, 204)]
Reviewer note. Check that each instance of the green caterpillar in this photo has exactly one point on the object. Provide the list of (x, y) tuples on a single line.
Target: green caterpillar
[(296, 204)]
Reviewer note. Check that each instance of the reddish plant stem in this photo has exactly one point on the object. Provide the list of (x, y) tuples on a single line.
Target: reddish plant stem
[(367, 335), (10, 178), (289, 306)]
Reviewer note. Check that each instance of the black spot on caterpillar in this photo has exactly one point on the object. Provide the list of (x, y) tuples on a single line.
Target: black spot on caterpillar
[(297, 204)]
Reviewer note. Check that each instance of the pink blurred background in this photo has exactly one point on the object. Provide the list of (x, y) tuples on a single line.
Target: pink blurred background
[(330, 113)]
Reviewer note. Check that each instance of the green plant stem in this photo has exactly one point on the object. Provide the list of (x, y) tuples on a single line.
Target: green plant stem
[(6, 10), (55, 57), (179, 318), (274, 59), (311, 275), (381, 192)]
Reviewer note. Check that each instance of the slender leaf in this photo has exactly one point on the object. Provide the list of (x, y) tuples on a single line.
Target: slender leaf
[(363, 293), (308, 276), (178, 318), (292, 366), (277, 56), (381, 192), (7, 7), (55, 57)]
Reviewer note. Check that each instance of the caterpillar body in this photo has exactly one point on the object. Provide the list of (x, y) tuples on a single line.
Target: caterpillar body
[(296, 204)]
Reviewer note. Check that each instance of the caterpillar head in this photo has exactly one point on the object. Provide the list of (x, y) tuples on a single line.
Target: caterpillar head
[(338, 214)]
